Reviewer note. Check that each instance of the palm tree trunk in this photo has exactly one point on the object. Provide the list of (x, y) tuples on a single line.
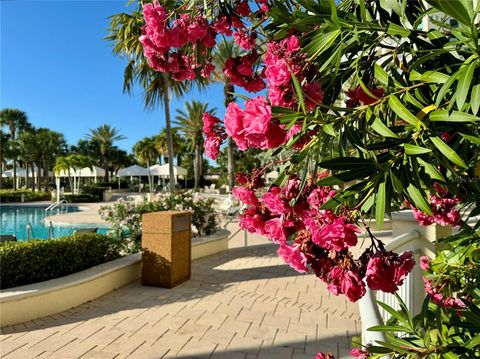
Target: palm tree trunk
[(1, 166), (105, 166), (166, 103), (45, 174), (228, 91), (32, 167), (26, 175), (196, 170), (14, 172)]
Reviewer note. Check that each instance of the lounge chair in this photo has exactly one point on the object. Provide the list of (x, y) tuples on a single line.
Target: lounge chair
[(85, 230), (7, 238)]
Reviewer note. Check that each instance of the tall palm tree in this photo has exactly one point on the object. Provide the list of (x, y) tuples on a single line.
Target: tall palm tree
[(16, 120), (223, 51), (29, 153), (4, 151), (105, 135), (124, 31), (147, 153), (52, 144), (161, 144), (190, 123)]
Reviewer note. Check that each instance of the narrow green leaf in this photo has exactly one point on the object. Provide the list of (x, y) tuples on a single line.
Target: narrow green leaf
[(454, 8), (475, 98), (414, 150), (379, 127), (380, 200), (328, 129), (431, 170), (429, 76), (448, 152), (455, 116), (418, 197), (388, 328), (470, 138), (403, 113), (394, 29), (321, 42), (298, 90), (472, 343), (463, 86), (380, 74), (446, 86), (346, 163)]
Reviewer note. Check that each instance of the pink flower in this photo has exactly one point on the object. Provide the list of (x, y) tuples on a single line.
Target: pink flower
[(234, 125), (275, 231), (245, 195), (278, 73), (424, 262), (198, 29), (275, 203), (320, 196), (222, 26), (324, 356), (209, 123), (359, 353), (293, 257), (293, 44), (246, 41), (346, 282), (386, 271), (252, 221), (337, 236), (313, 95), (212, 146), (243, 9)]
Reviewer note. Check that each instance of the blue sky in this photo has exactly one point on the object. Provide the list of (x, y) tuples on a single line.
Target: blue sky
[(57, 68)]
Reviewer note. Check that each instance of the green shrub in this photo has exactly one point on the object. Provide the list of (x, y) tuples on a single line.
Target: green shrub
[(84, 197), (38, 260), (9, 195)]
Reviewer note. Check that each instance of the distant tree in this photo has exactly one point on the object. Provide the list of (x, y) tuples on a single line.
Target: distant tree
[(16, 120), (72, 162), (147, 154), (118, 158), (190, 123), (29, 153), (4, 152), (223, 51), (161, 144), (245, 161), (105, 136), (51, 145)]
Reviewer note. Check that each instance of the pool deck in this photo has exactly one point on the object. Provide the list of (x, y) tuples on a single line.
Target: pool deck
[(242, 303)]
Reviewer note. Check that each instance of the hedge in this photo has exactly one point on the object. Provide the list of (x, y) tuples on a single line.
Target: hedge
[(39, 260), (9, 195), (82, 198)]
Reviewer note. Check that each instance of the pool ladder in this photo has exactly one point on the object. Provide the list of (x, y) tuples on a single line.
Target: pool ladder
[(30, 230), (62, 203)]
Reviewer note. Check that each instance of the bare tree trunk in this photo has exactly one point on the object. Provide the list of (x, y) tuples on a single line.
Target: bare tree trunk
[(14, 172), (26, 175), (196, 169), (32, 167), (228, 90), (166, 103)]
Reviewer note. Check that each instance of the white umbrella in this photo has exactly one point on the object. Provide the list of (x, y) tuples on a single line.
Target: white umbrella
[(134, 170)]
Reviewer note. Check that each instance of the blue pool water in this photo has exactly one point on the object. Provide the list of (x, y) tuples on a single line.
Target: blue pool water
[(16, 218)]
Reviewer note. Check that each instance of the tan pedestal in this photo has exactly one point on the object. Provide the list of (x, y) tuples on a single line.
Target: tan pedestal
[(166, 248)]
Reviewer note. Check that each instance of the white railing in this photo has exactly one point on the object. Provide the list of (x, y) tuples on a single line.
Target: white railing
[(56, 204)]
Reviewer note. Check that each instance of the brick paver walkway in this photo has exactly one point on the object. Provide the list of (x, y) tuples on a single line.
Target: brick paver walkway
[(243, 303)]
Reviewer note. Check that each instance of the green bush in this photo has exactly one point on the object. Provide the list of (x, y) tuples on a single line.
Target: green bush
[(9, 195), (38, 260), (84, 197)]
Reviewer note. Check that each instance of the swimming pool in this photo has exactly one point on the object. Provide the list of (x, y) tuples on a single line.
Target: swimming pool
[(16, 218)]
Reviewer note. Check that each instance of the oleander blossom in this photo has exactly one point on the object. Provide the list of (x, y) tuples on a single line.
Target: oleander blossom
[(324, 356), (253, 127), (214, 135), (338, 235), (386, 271), (359, 353), (443, 207)]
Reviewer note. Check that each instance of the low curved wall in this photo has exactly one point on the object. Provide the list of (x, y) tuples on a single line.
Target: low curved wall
[(22, 304)]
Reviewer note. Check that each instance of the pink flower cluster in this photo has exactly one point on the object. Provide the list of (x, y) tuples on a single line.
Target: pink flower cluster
[(160, 36), (443, 208), (311, 238), (214, 134), (240, 71), (254, 126), (283, 58)]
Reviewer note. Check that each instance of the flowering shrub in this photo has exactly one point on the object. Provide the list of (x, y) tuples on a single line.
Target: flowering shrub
[(126, 216), (385, 95)]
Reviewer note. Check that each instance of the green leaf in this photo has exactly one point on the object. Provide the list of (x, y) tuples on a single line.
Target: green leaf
[(347, 176), (446, 86), (346, 163), (403, 113), (321, 42), (379, 127), (413, 150), (394, 29), (380, 200), (431, 170), (418, 197), (463, 86), (475, 98), (328, 129), (470, 138), (380, 74), (448, 152), (375, 349), (453, 8), (429, 76), (455, 116), (298, 90), (389, 328)]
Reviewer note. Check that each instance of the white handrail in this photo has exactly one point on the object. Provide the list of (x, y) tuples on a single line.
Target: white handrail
[(55, 204)]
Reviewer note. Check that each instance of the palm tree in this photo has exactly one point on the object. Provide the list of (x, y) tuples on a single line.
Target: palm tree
[(4, 152), (124, 31), (223, 51), (16, 120), (105, 135), (190, 123), (147, 153), (161, 144), (29, 153), (51, 144)]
